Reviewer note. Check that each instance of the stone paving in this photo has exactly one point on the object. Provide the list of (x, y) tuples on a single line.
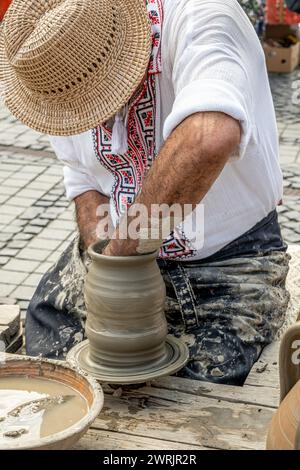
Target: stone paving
[(37, 222), (285, 89)]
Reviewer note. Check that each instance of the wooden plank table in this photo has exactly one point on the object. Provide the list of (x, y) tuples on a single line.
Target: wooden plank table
[(174, 413)]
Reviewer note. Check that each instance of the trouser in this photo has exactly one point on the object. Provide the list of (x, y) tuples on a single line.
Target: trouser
[(226, 308)]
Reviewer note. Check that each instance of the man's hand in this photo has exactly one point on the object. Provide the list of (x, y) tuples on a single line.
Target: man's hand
[(185, 169), (86, 214), (121, 248)]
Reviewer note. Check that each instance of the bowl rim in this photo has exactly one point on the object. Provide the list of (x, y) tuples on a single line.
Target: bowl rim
[(138, 258), (78, 427)]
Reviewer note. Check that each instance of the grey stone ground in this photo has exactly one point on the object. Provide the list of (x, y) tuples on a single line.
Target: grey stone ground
[(37, 222), (285, 90)]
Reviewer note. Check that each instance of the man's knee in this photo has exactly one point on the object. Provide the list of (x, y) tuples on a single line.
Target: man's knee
[(220, 356)]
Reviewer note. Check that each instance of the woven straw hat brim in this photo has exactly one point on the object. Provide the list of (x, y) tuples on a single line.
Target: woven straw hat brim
[(100, 99)]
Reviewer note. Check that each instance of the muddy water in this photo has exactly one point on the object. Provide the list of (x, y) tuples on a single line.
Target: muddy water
[(35, 408)]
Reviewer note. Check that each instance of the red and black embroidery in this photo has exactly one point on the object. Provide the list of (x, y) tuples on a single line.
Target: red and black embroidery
[(130, 169)]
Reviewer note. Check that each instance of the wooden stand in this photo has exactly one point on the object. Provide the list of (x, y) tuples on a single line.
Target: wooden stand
[(173, 413), (11, 339)]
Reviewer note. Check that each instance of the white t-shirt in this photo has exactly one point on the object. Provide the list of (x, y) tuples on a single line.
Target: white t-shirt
[(212, 61)]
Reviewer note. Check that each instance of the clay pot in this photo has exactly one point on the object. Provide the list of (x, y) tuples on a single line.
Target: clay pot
[(125, 297), (284, 432), (126, 325)]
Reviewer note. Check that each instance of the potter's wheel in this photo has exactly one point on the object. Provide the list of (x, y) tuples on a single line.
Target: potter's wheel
[(176, 357)]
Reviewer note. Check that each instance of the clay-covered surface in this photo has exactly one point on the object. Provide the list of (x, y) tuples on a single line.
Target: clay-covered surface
[(126, 327), (176, 413)]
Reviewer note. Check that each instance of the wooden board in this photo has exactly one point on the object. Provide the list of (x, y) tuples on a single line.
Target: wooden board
[(175, 413), (10, 327), (262, 396), (265, 372), (16, 344), (183, 418), (10, 318), (4, 336), (106, 440)]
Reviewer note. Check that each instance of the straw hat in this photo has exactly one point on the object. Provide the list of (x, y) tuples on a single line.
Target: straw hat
[(68, 65)]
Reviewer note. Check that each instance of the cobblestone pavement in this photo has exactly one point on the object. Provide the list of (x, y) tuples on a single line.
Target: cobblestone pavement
[(37, 222), (286, 94)]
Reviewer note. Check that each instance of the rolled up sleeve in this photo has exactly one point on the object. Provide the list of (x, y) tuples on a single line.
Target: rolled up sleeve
[(210, 67)]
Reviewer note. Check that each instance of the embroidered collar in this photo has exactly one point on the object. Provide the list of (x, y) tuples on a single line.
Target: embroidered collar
[(155, 13)]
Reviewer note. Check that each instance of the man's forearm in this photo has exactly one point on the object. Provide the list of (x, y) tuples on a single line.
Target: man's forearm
[(189, 164), (86, 205), (186, 167)]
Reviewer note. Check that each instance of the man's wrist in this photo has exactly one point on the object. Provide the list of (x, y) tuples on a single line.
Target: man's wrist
[(87, 205)]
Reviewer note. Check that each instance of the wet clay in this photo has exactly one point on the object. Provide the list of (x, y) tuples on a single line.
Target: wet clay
[(126, 325), (36, 408), (125, 299)]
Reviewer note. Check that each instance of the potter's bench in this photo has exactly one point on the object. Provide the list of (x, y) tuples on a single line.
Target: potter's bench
[(174, 413)]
